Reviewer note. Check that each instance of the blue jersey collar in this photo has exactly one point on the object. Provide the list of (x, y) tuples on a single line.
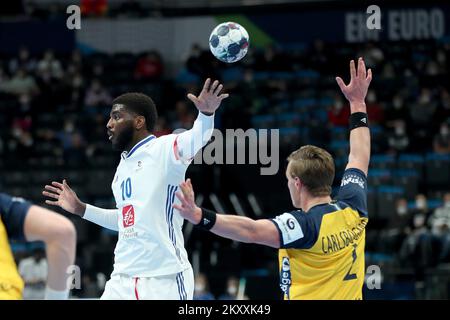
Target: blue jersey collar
[(137, 146)]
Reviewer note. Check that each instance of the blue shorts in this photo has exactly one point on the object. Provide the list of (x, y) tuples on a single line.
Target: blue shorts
[(13, 212)]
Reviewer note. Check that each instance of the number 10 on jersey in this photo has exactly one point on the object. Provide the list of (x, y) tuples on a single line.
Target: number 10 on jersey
[(126, 188)]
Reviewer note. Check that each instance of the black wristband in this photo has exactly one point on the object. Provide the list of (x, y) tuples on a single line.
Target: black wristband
[(208, 219), (358, 119)]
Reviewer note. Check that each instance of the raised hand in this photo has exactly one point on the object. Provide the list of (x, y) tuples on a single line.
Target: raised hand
[(187, 207), (209, 98), (65, 197), (356, 90)]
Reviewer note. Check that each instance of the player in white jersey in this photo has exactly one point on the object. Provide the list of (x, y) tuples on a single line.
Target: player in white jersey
[(150, 259)]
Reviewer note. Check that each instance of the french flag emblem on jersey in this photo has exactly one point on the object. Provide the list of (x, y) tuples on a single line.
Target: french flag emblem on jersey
[(128, 216)]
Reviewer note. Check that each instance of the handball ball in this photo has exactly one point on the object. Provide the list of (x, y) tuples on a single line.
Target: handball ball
[(229, 42)]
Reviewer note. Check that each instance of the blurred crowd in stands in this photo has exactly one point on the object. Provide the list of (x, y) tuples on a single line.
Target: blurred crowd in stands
[(55, 107)]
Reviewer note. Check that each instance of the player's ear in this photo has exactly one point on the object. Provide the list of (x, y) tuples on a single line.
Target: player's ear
[(298, 183), (139, 122)]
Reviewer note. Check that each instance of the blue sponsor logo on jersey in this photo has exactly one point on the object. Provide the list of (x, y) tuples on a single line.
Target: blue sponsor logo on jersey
[(285, 276)]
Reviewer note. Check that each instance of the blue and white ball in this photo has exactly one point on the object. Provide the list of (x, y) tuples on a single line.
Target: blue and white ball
[(229, 42)]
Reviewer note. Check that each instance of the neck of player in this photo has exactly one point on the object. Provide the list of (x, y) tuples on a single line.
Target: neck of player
[(138, 137), (308, 203)]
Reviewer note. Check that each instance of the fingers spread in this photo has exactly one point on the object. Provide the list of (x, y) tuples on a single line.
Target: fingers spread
[(193, 98), (214, 86), (184, 188), (178, 207), (50, 195), (340, 82), (224, 96), (219, 88), (57, 184), (361, 68), (53, 203), (206, 85), (369, 76), (352, 69), (53, 189)]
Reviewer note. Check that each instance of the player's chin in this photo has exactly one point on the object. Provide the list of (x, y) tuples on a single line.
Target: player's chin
[(116, 145)]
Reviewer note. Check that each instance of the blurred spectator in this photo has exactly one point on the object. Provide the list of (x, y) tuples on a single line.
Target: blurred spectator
[(161, 127), (372, 55), (201, 62), (231, 289), (149, 67), (374, 109), (338, 115), (184, 118), (397, 111), (96, 97), (388, 71), (443, 110), (399, 141), (419, 248), (51, 65), (20, 83), (21, 143), (441, 141), (397, 228), (440, 219), (22, 61), (440, 224), (421, 115), (201, 288), (34, 273), (76, 60)]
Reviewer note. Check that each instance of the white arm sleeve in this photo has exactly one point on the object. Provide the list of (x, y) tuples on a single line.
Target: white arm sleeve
[(107, 218), (191, 141)]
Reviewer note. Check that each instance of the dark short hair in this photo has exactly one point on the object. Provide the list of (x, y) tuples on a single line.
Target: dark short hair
[(314, 166), (140, 104)]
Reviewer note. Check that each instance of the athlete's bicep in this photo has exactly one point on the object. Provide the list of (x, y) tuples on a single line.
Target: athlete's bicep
[(266, 233), (295, 230)]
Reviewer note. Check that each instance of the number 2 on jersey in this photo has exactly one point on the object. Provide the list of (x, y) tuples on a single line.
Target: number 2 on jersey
[(351, 276), (126, 188)]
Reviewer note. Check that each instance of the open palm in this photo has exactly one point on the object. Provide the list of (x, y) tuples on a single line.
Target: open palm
[(360, 79), (65, 197), (209, 98)]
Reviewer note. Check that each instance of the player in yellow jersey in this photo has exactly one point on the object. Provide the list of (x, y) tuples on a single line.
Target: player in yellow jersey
[(22, 221), (321, 245)]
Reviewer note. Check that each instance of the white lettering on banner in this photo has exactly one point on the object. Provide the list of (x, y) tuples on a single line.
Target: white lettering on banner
[(410, 24)]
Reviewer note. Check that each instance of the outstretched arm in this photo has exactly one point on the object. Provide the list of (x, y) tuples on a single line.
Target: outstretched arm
[(190, 142), (237, 228), (355, 92), (68, 200), (59, 236)]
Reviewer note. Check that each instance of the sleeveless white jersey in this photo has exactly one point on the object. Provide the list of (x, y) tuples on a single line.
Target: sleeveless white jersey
[(150, 240)]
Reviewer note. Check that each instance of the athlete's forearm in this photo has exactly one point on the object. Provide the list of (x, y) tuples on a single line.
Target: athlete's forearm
[(236, 228), (191, 141), (106, 218), (359, 142)]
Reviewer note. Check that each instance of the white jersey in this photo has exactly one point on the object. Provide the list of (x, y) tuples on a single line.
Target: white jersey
[(150, 241)]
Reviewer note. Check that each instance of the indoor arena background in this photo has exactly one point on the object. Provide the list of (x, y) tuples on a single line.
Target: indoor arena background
[(56, 88)]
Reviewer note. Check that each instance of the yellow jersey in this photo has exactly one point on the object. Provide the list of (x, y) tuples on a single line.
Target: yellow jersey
[(321, 252), (12, 217)]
